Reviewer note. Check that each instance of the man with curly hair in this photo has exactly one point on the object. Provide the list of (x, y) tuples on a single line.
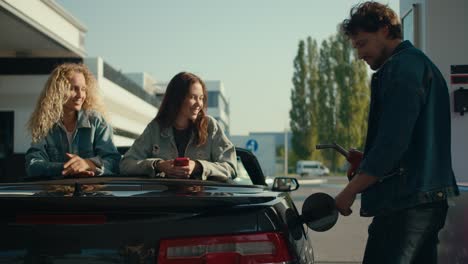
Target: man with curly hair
[(70, 135), (405, 175)]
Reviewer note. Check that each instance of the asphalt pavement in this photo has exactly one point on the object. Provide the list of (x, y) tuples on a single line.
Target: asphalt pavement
[(345, 242)]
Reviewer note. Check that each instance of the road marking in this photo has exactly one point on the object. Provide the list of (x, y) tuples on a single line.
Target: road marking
[(333, 186), (312, 181)]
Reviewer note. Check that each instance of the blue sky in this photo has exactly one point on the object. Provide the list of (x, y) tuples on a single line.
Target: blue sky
[(249, 45)]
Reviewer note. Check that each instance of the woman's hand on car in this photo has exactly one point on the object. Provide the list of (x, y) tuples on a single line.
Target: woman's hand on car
[(179, 172), (78, 166)]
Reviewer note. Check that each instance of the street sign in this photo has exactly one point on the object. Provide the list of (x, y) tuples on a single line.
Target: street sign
[(251, 145)]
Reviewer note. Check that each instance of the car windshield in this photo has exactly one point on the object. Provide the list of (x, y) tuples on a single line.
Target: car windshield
[(311, 166)]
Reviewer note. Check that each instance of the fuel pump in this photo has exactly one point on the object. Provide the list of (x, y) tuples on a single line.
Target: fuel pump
[(459, 83)]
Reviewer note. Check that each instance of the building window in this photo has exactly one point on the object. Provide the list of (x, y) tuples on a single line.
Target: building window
[(409, 23), (213, 99)]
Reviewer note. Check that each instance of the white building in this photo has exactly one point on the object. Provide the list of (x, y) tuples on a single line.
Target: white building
[(263, 147), (218, 105), (144, 80), (37, 35), (439, 28), (131, 107)]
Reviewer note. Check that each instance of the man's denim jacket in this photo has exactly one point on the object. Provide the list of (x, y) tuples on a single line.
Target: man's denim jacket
[(92, 140), (408, 145), (217, 156)]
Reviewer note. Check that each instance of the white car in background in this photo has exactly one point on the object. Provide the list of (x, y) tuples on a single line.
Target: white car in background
[(311, 168)]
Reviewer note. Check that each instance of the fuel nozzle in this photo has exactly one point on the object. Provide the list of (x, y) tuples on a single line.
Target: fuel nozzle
[(354, 157), (334, 146)]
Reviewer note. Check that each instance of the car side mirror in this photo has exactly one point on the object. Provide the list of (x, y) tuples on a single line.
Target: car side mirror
[(319, 212), (285, 184)]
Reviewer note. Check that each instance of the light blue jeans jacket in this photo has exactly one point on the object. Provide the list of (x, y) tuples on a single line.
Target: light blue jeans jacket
[(92, 140)]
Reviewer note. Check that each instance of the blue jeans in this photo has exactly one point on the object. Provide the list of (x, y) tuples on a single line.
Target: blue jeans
[(406, 236)]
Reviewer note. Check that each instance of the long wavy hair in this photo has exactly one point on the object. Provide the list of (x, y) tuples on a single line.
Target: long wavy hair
[(176, 92), (56, 92)]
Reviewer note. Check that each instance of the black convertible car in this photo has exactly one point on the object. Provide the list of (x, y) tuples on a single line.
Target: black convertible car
[(151, 220)]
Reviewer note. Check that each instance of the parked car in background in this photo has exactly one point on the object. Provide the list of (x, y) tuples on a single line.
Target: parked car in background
[(311, 168), (136, 219)]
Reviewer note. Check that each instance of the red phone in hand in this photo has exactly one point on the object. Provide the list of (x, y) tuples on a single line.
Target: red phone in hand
[(181, 161)]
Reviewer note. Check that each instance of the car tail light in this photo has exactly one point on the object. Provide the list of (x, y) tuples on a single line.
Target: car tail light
[(61, 219), (241, 249)]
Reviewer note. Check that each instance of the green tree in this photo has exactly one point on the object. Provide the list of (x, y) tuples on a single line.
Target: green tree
[(341, 54), (326, 101), (312, 89), (343, 97), (299, 114), (292, 158), (352, 85), (360, 102), (330, 99)]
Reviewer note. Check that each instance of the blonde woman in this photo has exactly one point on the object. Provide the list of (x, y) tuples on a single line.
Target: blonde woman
[(70, 136)]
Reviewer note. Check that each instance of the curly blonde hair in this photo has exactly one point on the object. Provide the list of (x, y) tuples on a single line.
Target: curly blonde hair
[(56, 92)]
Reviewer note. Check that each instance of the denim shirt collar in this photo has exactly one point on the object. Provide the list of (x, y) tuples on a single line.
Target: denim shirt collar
[(402, 46), (83, 120), (406, 44)]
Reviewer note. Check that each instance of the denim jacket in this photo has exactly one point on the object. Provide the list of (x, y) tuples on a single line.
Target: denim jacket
[(217, 156), (408, 145), (92, 140)]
